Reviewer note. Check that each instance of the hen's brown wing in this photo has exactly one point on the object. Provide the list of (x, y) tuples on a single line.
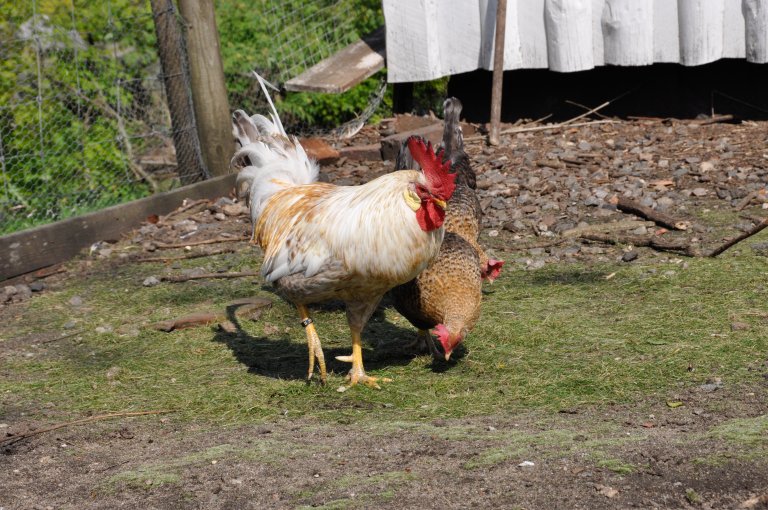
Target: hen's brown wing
[(448, 289)]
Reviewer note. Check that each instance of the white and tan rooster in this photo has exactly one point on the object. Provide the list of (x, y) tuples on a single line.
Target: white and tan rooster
[(323, 242)]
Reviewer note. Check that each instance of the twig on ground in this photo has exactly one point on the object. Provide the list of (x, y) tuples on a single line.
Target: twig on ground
[(585, 114), (757, 228), (746, 200), (183, 208), (204, 276), (63, 337), (163, 246), (628, 205), (574, 103), (712, 120), (547, 244), (20, 437), (606, 227), (683, 247), (186, 257)]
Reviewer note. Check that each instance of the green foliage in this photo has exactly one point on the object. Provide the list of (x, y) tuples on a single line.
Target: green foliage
[(68, 68), (64, 73)]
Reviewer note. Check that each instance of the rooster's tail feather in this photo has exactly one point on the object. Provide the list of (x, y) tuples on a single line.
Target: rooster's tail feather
[(268, 159)]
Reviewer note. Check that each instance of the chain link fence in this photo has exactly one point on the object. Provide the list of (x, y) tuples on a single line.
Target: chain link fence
[(84, 117)]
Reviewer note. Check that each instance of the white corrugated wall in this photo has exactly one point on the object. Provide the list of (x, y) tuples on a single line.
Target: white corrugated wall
[(428, 39)]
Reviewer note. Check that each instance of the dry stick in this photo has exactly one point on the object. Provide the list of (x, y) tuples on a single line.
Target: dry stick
[(63, 337), (184, 208), (180, 279), (556, 126), (542, 128), (186, 257), (19, 437), (606, 227), (712, 120), (757, 228), (590, 112), (163, 246), (631, 206), (584, 107), (683, 248), (746, 200)]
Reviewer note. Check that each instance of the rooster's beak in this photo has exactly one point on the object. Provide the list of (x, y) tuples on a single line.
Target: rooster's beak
[(441, 203)]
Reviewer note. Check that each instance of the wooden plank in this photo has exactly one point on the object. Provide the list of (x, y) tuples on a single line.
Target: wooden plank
[(345, 69), (627, 27), (28, 250), (756, 21), (666, 32), (701, 31), (569, 34)]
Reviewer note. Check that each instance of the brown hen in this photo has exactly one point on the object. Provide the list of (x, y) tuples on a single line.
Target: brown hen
[(446, 296)]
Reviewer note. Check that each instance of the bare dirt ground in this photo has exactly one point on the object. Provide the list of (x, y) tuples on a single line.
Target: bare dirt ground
[(535, 187)]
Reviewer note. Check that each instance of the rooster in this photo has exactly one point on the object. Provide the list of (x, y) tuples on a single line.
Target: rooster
[(323, 242), (446, 296)]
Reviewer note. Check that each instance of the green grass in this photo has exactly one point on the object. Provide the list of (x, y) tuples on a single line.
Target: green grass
[(556, 338)]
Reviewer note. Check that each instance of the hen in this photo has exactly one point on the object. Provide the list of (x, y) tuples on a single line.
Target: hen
[(464, 216), (446, 296), (323, 242)]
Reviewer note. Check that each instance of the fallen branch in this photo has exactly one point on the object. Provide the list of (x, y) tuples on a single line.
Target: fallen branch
[(590, 112), (184, 208), (746, 200), (204, 276), (163, 246), (628, 205), (542, 128), (757, 228), (606, 227), (186, 257), (244, 306), (20, 437), (712, 120), (683, 248), (583, 107), (63, 337)]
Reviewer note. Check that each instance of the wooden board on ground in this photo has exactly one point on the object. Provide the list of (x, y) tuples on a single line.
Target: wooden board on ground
[(31, 249), (345, 69)]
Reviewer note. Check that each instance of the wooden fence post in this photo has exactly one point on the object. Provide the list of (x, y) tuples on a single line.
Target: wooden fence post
[(498, 71), (209, 92), (189, 160)]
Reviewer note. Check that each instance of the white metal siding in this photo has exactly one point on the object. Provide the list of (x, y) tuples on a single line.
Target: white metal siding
[(427, 39)]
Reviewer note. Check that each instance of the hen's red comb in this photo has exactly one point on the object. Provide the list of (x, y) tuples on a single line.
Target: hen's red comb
[(439, 178)]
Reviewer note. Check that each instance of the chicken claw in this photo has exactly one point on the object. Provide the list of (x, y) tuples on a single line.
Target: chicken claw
[(357, 372), (313, 346)]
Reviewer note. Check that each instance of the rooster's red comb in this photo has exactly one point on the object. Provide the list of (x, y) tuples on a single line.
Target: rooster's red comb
[(439, 178)]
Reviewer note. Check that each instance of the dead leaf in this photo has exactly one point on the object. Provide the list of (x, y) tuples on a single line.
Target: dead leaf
[(608, 492), (674, 404), (661, 184)]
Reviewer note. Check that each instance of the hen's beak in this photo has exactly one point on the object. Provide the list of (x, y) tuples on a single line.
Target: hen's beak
[(448, 355), (441, 203)]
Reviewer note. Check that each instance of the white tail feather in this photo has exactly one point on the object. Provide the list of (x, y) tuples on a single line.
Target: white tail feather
[(268, 160)]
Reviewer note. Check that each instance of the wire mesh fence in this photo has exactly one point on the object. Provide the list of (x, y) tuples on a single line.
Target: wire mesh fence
[(84, 117), (83, 122)]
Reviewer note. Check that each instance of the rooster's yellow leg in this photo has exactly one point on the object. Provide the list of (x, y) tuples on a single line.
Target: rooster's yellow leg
[(313, 345), (357, 373)]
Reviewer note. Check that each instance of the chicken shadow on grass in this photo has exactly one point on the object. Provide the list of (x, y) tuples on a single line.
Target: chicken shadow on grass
[(284, 358)]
